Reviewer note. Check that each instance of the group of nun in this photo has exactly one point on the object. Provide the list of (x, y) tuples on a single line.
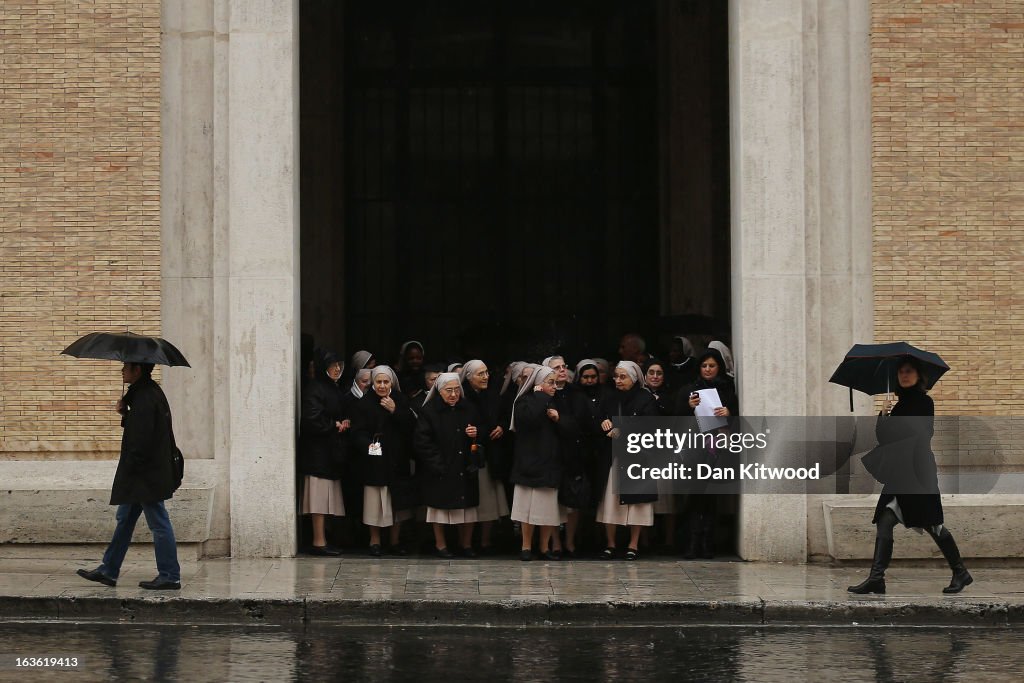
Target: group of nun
[(452, 445)]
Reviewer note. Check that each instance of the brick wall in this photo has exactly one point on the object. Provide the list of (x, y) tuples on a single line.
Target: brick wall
[(79, 212), (948, 192)]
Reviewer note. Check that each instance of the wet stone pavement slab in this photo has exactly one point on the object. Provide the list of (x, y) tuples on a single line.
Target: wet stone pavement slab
[(505, 591)]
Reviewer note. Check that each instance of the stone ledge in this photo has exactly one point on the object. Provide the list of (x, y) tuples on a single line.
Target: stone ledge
[(985, 526), (46, 502), (165, 609)]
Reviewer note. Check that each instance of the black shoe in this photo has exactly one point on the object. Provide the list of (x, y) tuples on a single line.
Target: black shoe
[(95, 575), (875, 583), (397, 551), (443, 553), (468, 553), (323, 551), (375, 550), (552, 556), (569, 554), (525, 555), (608, 554), (160, 584), (632, 554), (961, 577)]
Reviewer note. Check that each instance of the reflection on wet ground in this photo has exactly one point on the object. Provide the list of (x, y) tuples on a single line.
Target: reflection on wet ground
[(707, 653)]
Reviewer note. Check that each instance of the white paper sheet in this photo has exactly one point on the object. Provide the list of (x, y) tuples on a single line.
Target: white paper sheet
[(705, 410)]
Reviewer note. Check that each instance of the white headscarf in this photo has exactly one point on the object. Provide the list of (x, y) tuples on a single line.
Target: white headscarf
[(539, 373), (470, 368), (386, 370), (582, 364), (356, 391), (439, 383), (512, 374), (730, 368), (685, 343), (360, 359), (451, 368), (405, 347), (633, 370)]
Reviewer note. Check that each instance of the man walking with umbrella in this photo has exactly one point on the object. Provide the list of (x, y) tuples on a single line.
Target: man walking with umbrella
[(148, 473)]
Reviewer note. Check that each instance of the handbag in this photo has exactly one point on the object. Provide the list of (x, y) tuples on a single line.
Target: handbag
[(178, 460)]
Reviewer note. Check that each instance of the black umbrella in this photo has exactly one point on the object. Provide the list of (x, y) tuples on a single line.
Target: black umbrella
[(126, 347), (871, 368)]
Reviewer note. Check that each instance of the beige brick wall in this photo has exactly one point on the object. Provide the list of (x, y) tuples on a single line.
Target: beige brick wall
[(948, 192), (79, 211)]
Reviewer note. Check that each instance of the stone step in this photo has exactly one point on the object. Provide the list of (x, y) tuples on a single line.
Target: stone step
[(54, 503), (984, 526)]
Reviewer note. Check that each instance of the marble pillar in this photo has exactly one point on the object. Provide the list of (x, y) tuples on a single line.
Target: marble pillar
[(801, 223), (230, 255)]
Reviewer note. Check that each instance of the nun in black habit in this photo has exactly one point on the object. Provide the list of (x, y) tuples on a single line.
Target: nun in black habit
[(629, 399), (382, 426), (444, 437)]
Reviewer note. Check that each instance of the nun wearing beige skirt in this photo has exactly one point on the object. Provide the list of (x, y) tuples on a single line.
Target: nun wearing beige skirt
[(444, 439), (382, 425), (537, 466), (478, 391)]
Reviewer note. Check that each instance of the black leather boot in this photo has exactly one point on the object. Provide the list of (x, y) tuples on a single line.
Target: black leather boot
[(875, 583), (961, 577), (693, 542)]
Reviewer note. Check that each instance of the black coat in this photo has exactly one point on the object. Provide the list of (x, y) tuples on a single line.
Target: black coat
[(569, 402), (322, 449), (919, 510), (726, 392), (371, 422), (487, 406), (683, 375), (442, 455), (146, 472), (635, 402), (538, 445)]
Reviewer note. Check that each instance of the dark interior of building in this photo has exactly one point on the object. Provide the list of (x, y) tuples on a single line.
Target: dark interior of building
[(504, 179)]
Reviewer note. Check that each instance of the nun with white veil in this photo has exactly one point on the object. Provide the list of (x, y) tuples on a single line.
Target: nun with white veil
[(446, 468), (537, 463), (477, 389), (628, 399), (382, 426)]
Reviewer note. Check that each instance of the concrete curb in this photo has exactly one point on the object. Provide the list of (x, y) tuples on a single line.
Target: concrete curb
[(313, 611)]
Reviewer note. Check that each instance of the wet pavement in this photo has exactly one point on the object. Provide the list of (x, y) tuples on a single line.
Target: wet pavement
[(405, 590), (424, 654)]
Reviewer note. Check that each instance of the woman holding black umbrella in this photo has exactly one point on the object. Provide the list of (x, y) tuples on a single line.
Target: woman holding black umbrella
[(917, 510)]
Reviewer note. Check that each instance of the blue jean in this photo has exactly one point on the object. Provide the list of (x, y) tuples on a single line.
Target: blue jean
[(163, 540)]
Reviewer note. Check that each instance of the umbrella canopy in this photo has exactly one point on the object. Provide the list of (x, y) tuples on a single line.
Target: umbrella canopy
[(871, 368), (126, 347)]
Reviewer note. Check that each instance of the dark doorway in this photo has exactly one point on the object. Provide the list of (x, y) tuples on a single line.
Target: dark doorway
[(495, 179)]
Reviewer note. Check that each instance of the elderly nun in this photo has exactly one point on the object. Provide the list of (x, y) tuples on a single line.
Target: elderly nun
[(477, 389), (444, 441), (382, 426), (537, 463), (628, 399)]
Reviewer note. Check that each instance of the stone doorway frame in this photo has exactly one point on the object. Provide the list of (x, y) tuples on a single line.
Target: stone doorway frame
[(800, 139)]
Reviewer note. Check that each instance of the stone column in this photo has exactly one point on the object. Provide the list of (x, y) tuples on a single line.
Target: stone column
[(230, 241), (801, 222)]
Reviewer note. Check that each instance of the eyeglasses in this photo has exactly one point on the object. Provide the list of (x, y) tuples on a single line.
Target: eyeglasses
[(451, 391)]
